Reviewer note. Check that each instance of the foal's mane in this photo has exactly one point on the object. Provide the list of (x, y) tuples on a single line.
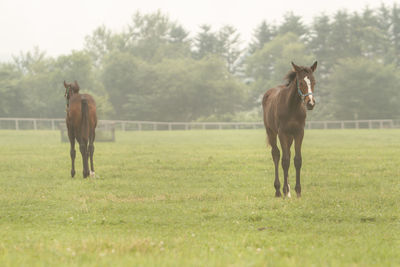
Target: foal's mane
[(290, 77)]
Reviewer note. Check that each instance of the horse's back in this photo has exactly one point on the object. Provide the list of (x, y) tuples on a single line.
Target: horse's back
[(74, 116), (92, 110)]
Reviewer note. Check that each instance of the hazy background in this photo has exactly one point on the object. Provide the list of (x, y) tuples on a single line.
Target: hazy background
[(60, 26), (197, 60)]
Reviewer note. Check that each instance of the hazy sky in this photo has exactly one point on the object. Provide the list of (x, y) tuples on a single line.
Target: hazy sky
[(58, 27)]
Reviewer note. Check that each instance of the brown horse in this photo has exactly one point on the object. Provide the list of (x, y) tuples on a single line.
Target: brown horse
[(81, 124), (285, 116)]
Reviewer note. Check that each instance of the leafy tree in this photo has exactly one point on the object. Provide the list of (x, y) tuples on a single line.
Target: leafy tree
[(11, 100), (153, 37), (99, 44), (121, 76), (365, 89), (395, 33), (185, 89)]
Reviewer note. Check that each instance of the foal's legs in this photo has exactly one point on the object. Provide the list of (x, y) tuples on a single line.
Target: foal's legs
[(72, 151), (276, 154), (91, 152), (298, 140), (286, 143)]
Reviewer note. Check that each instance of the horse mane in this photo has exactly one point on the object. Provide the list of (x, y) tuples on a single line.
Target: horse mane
[(290, 77)]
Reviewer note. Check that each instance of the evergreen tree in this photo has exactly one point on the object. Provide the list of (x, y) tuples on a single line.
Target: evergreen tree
[(292, 23), (205, 42), (262, 35)]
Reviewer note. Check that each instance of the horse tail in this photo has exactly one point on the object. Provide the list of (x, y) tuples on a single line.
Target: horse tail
[(85, 119), (264, 101)]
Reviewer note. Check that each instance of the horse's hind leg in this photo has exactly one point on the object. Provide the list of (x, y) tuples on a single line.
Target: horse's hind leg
[(72, 151), (91, 152), (276, 154), (298, 140), (83, 146)]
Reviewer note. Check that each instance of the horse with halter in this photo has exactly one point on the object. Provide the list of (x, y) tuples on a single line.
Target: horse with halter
[(284, 116), (81, 122)]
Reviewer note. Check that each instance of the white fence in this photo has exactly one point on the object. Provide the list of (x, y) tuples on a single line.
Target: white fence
[(55, 124)]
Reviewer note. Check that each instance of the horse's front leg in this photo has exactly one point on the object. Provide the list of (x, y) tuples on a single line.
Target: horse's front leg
[(298, 140), (286, 142), (72, 151)]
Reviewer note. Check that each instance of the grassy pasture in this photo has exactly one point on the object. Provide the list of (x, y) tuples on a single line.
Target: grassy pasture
[(200, 198)]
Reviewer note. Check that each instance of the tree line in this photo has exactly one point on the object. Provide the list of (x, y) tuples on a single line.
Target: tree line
[(156, 70)]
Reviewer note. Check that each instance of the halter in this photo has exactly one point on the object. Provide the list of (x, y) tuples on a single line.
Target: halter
[(303, 96), (68, 96)]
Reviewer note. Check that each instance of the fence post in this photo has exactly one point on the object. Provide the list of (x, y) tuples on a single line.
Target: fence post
[(16, 125), (357, 125), (370, 124), (139, 126), (123, 126), (325, 125), (342, 124), (34, 124), (380, 124), (52, 125), (169, 126)]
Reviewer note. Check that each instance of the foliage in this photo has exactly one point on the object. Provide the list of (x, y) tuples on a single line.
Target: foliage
[(179, 89), (154, 69), (371, 93)]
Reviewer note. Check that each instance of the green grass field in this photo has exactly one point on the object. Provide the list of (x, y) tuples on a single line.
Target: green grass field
[(200, 198)]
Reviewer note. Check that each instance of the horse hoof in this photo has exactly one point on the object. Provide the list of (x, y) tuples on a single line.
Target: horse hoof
[(72, 174), (92, 174), (299, 195), (278, 194)]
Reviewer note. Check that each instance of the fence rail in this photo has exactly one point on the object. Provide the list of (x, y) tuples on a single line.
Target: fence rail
[(56, 124)]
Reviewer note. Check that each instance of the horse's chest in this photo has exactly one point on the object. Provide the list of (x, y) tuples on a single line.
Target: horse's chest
[(292, 125)]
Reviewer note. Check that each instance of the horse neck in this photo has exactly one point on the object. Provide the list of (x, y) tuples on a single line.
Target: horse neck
[(294, 99)]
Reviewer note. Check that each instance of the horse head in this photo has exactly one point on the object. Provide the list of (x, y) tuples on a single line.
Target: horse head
[(71, 89), (306, 83)]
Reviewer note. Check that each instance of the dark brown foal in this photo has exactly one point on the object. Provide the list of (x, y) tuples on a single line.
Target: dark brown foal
[(81, 122), (285, 116)]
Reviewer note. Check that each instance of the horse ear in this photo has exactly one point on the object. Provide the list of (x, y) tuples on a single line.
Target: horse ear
[(295, 67), (314, 66), (76, 84), (65, 85)]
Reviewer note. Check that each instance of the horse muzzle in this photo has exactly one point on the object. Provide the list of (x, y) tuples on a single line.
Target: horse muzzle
[(310, 105)]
